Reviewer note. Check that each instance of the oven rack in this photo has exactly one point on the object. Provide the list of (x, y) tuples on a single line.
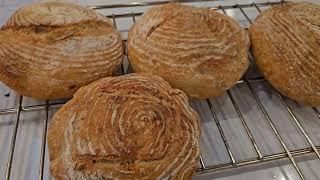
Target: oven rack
[(248, 81)]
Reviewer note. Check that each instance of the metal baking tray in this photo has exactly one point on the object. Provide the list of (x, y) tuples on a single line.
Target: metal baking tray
[(250, 131)]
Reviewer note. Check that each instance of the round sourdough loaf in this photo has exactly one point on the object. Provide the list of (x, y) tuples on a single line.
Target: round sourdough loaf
[(286, 45), (49, 50), (128, 127), (198, 50)]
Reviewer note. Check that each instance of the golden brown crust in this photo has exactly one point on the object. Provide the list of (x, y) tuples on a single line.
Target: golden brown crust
[(49, 50), (197, 50), (129, 127), (285, 42)]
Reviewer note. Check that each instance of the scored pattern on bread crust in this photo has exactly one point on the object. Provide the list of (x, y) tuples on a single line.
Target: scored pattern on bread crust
[(129, 127), (291, 35), (52, 14), (197, 50), (49, 50)]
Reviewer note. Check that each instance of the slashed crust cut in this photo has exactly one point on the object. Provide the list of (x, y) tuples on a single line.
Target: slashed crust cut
[(129, 127), (285, 42), (198, 50), (49, 50)]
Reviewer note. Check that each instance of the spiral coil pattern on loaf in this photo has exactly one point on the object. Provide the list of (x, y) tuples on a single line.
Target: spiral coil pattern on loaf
[(198, 50), (129, 127), (286, 42), (49, 50)]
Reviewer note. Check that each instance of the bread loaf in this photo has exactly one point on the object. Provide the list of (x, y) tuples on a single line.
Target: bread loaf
[(49, 50), (129, 127), (285, 43), (198, 50)]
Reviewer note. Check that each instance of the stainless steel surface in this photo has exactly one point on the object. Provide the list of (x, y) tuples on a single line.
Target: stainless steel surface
[(13, 141), (44, 141), (249, 132)]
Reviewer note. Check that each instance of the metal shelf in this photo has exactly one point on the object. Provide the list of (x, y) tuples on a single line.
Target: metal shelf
[(248, 82)]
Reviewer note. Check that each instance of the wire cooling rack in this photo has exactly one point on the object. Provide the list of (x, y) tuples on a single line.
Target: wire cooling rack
[(237, 128)]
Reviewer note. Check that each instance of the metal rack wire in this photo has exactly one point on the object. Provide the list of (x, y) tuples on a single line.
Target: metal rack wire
[(260, 158)]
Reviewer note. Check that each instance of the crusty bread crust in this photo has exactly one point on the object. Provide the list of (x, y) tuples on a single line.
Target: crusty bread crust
[(134, 126), (49, 50), (285, 43), (198, 50)]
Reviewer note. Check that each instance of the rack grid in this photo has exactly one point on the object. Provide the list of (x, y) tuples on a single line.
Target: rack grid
[(248, 81)]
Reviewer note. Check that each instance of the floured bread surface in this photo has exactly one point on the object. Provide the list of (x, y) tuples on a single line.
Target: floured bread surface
[(286, 45), (198, 50), (49, 50), (129, 127)]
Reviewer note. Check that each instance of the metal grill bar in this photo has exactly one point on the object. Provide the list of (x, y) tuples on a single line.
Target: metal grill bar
[(133, 17), (296, 121), (248, 5), (37, 107), (114, 21), (203, 166), (267, 158), (289, 110), (13, 140), (266, 114), (8, 111), (276, 132), (244, 14), (223, 10), (243, 122), (125, 15), (257, 5), (221, 132), (179, 1), (316, 111), (44, 140), (263, 109), (136, 4), (115, 25), (239, 112)]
